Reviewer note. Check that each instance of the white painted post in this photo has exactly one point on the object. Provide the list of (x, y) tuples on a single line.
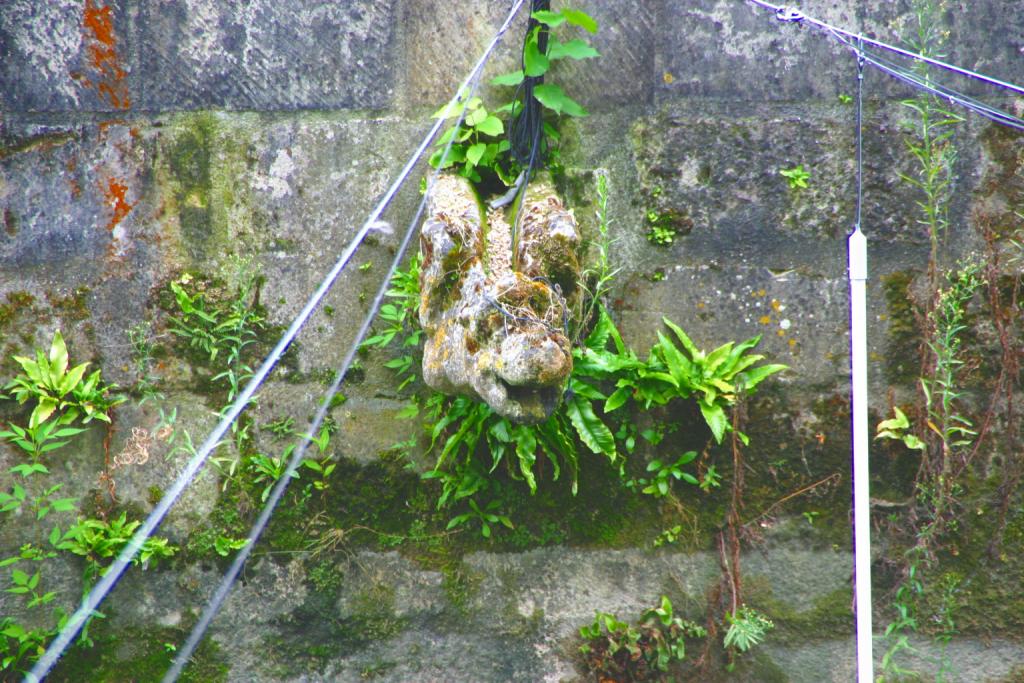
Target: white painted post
[(858, 259)]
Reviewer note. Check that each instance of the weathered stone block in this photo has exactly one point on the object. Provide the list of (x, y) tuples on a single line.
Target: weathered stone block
[(429, 74), (722, 170), (745, 54), (64, 55), (624, 74), (265, 55), (735, 50)]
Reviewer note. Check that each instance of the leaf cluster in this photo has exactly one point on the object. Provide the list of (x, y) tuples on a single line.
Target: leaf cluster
[(797, 177), (60, 390), (478, 150), (747, 628), (224, 328), (617, 650), (401, 322), (675, 368)]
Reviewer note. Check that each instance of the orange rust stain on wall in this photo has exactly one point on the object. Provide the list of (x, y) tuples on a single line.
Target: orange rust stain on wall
[(101, 50), (71, 166), (115, 193)]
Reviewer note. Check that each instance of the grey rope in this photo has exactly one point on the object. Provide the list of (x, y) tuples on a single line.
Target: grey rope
[(793, 15), (106, 583), (184, 653)]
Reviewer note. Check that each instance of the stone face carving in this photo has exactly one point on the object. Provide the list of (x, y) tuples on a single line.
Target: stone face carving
[(496, 325)]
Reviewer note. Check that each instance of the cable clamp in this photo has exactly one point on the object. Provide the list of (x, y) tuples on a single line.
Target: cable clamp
[(789, 14)]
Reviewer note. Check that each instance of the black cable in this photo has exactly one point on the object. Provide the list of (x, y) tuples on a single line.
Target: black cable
[(529, 118), (525, 132)]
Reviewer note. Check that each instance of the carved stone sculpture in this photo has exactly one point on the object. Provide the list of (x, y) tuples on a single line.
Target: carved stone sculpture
[(495, 314)]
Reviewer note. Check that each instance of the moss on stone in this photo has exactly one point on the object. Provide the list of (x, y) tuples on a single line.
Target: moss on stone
[(313, 634), (72, 306), (206, 159), (133, 654), (902, 359), (831, 617), (15, 304)]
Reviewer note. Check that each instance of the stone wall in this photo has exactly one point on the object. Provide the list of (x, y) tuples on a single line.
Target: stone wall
[(144, 139)]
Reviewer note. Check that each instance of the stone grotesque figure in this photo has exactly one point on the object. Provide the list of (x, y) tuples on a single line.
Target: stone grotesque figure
[(495, 314)]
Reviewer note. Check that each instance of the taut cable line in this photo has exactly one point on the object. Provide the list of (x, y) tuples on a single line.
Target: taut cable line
[(793, 15), (106, 583)]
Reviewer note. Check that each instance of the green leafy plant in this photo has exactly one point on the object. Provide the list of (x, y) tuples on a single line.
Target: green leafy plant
[(897, 631), (222, 328), (267, 470), (662, 226), (930, 129), (485, 516), (401, 322), (223, 545), (668, 536), (616, 650), (663, 472), (747, 628), (478, 150), (477, 142), (711, 479), (896, 428), (797, 177), (42, 438), (677, 369), (597, 277), (97, 540), (280, 428), (59, 391), (22, 643), (323, 467)]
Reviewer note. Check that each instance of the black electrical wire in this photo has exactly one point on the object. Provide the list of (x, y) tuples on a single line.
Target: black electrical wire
[(525, 127)]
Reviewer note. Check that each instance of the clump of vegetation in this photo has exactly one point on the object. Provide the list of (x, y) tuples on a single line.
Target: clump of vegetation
[(478, 149), (63, 401), (797, 177), (617, 650)]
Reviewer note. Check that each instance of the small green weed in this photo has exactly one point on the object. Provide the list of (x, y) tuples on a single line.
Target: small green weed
[(797, 177), (486, 516), (617, 650), (747, 628)]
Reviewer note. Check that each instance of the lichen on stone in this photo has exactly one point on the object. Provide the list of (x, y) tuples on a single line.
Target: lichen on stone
[(495, 313)]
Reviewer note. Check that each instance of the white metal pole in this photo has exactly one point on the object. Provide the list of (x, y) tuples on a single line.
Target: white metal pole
[(858, 251)]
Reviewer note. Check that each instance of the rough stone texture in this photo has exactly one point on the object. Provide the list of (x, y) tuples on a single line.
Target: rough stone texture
[(108, 190), (264, 55), (494, 323), (65, 55), (780, 62), (520, 614)]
